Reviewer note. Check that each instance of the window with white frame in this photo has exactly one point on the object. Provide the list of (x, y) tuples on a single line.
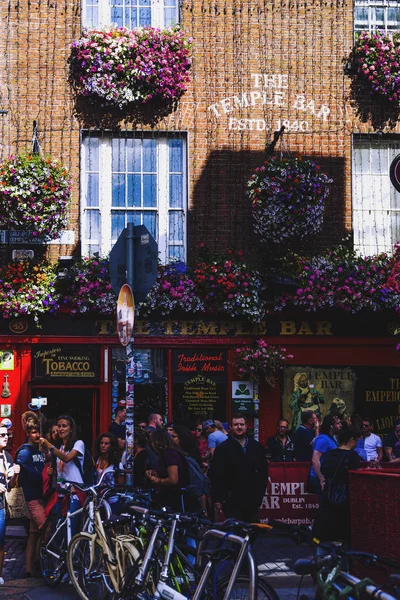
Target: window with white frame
[(376, 203), (130, 13), (134, 179), (372, 15)]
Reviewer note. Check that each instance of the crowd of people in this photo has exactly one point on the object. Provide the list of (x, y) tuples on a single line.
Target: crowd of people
[(220, 470)]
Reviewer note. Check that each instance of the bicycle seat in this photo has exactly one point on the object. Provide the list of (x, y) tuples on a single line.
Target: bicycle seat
[(116, 520)]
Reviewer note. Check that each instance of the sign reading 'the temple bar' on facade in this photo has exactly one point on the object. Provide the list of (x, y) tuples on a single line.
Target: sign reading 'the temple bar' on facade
[(55, 363)]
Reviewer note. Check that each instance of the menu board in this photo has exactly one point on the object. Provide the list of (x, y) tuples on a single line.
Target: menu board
[(199, 385)]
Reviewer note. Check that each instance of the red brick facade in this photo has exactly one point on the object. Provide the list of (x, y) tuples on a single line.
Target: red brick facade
[(256, 66)]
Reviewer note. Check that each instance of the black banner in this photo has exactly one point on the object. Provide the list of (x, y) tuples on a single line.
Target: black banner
[(65, 363), (199, 383)]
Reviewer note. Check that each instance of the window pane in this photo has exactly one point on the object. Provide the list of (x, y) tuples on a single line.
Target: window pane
[(170, 17), (118, 190), (92, 190), (149, 190), (131, 18), (92, 154), (379, 160), (175, 156), (144, 16), (134, 153), (116, 16), (134, 217), (175, 253), (175, 226), (175, 191), (149, 156), (92, 225), (118, 155), (117, 223), (150, 221), (134, 191)]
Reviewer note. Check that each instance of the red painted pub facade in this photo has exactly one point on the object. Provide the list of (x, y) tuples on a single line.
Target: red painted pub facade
[(185, 368)]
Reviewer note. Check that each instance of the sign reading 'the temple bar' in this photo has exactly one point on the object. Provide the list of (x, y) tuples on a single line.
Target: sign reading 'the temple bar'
[(55, 363)]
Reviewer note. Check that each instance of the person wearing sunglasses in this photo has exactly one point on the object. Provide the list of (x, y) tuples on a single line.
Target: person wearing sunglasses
[(202, 441), (8, 478)]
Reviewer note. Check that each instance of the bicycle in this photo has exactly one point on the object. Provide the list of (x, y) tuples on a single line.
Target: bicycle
[(334, 582), (98, 560), (57, 534), (148, 581)]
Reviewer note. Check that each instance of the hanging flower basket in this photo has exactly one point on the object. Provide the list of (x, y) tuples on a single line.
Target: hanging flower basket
[(261, 361), (376, 57), (121, 66), (35, 192), (28, 289), (287, 196)]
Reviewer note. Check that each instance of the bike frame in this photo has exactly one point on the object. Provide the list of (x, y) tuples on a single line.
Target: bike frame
[(67, 524)]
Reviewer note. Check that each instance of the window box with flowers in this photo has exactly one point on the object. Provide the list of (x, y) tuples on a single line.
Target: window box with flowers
[(35, 192), (90, 290), (261, 361), (340, 279), (120, 67), (287, 195), (27, 288), (376, 59), (213, 285)]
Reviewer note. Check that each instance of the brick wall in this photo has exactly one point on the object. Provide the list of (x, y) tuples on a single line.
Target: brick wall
[(256, 66)]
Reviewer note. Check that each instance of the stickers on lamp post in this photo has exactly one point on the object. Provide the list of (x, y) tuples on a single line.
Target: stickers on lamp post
[(125, 314), (242, 397)]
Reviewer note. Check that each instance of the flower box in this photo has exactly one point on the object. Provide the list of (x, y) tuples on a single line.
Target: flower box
[(122, 67)]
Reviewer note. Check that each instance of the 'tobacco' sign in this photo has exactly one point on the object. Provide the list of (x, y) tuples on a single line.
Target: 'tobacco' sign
[(55, 363)]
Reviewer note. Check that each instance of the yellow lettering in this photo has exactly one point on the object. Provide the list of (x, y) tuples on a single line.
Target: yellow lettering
[(324, 328), (104, 327), (142, 328), (187, 328), (206, 328), (305, 329), (288, 328)]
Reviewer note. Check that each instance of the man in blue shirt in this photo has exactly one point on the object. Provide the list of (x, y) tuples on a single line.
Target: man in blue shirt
[(215, 437), (31, 460)]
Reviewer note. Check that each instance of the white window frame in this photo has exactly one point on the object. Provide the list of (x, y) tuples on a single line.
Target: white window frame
[(105, 195), (375, 201), (371, 4), (157, 13)]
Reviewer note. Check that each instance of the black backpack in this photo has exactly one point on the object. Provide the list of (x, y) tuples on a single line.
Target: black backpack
[(88, 472)]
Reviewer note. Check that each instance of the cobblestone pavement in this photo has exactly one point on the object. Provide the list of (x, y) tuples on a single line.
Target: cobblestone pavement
[(275, 557)]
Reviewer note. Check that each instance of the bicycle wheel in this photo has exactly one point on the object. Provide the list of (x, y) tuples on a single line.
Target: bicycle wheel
[(130, 591), (88, 570), (53, 545), (240, 590)]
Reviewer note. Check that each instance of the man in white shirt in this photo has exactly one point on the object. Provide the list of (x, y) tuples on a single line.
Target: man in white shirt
[(372, 443)]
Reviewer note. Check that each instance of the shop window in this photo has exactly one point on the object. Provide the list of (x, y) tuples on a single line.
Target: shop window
[(141, 180), (130, 13), (372, 15), (376, 203), (150, 377)]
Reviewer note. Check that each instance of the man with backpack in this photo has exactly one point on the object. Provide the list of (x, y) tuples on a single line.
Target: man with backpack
[(31, 460), (238, 474)]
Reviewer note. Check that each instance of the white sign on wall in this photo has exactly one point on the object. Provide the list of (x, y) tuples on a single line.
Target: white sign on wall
[(242, 390)]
